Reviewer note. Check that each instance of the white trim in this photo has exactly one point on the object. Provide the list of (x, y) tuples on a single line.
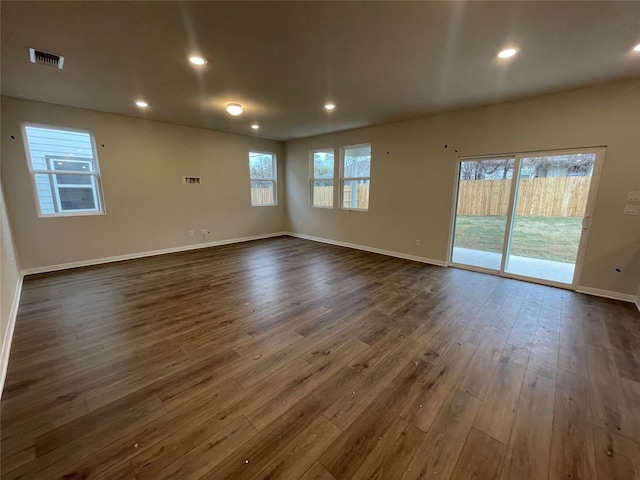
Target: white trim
[(625, 297), (8, 334), (637, 302), (151, 253), (389, 253), (553, 151)]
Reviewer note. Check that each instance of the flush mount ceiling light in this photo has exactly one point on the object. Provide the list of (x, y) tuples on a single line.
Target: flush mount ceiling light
[(329, 106), (636, 48), (507, 53), (197, 60), (255, 126), (142, 104), (234, 108)]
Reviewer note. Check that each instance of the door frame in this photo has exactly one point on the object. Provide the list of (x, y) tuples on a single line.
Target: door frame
[(599, 151)]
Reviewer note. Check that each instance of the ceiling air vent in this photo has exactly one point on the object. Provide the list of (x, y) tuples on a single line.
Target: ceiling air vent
[(38, 56)]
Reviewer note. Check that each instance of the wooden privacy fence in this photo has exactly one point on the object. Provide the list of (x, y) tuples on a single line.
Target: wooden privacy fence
[(261, 196), (323, 196), (362, 197), (537, 197)]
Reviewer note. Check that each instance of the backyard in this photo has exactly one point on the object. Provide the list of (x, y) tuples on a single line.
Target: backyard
[(546, 238)]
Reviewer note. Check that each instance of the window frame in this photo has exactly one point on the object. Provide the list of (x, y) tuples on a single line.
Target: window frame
[(274, 180), (314, 179), (343, 179), (95, 174)]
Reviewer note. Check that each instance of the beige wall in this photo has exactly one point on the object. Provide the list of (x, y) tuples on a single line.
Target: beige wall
[(9, 282), (148, 208), (413, 175)]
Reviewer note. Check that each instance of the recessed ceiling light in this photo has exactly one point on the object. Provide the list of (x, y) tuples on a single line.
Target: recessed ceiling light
[(142, 103), (329, 106), (234, 108), (196, 60), (636, 48), (508, 53), (255, 126)]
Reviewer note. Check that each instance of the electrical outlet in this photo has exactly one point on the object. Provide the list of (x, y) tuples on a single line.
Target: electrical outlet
[(204, 231), (631, 209), (418, 242), (633, 196), (191, 233)]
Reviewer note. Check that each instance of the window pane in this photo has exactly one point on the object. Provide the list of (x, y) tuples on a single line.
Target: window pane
[(77, 199), (355, 194), (262, 193), (261, 166), (323, 193), (52, 150), (323, 165), (71, 165), (73, 179), (481, 212), (357, 162)]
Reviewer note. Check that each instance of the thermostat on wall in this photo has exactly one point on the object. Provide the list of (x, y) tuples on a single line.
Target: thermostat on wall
[(191, 180)]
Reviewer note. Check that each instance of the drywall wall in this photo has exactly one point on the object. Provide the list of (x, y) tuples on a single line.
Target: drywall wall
[(10, 283), (147, 206), (413, 175)]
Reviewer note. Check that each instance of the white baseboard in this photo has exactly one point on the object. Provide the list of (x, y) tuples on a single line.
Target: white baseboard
[(608, 294), (8, 334), (637, 302), (152, 253), (389, 253)]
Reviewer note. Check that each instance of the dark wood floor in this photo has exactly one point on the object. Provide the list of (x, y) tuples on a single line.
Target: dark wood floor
[(288, 359)]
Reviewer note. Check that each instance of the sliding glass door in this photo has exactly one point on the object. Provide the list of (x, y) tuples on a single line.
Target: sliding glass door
[(525, 215), (484, 188)]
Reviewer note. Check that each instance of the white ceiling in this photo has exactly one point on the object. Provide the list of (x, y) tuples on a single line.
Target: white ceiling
[(378, 61)]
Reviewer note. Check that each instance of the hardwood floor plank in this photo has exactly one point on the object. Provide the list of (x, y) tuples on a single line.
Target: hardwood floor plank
[(544, 351), (573, 358), (632, 394), (317, 472), (572, 450), (478, 373), (350, 405), (608, 403), (392, 454), (306, 383), (261, 451), (481, 458), (438, 454), (96, 453), (616, 456), (301, 453), (196, 458), (437, 387), (528, 450), (342, 458)]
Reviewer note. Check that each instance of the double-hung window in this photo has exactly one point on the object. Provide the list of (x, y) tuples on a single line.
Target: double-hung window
[(356, 177), (263, 178), (65, 170), (322, 173)]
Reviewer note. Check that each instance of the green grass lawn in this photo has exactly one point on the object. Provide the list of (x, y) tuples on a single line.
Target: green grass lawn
[(547, 238)]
